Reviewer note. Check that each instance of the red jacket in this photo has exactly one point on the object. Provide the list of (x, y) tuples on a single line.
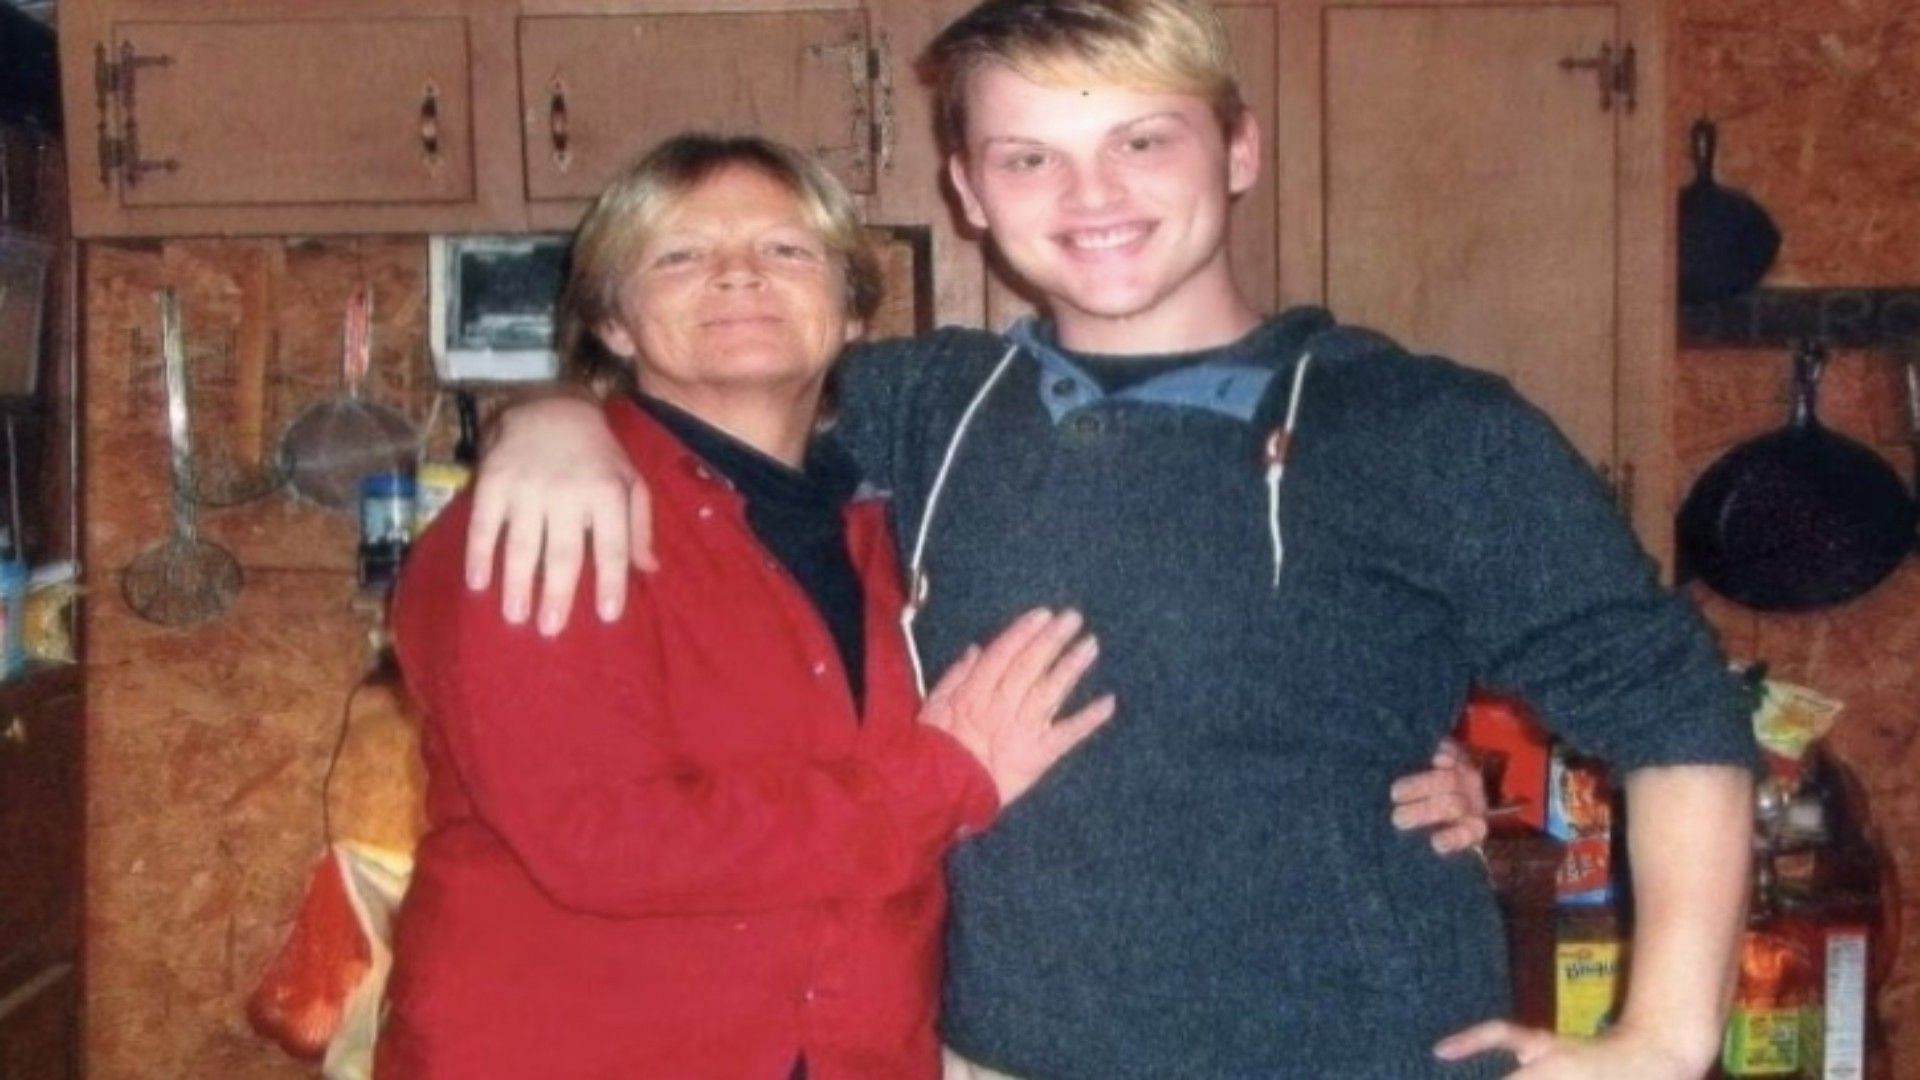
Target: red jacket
[(664, 847)]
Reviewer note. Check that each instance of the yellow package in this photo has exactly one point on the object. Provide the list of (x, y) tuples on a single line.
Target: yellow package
[(46, 622), (1587, 986), (1791, 718)]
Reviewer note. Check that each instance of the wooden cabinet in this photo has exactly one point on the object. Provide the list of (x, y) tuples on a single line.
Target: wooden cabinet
[(1254, 31), (231, 117), (286, 112), (284, 117), (596, 90), (40, 851), (39, 815), (1486, 182), (38, 1036)]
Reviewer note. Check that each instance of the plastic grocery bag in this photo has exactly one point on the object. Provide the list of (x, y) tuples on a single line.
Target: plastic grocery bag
[(321, 997)]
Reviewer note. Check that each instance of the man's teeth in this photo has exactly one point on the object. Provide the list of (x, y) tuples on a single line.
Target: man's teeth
[(1103, 239)]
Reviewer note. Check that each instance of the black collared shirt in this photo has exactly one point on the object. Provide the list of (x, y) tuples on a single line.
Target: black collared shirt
[(798, 515)]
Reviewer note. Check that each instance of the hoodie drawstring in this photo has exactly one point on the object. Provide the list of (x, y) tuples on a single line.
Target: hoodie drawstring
[(1278, 446), (918, 587)]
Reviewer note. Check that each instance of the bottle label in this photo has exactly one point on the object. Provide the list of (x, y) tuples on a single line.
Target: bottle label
[(1763, 1042)]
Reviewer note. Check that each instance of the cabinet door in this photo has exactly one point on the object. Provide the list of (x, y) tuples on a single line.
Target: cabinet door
[(323, 111), (1254, 242), (597, 90), (1471, 186), (40, 825), (37, 1029)]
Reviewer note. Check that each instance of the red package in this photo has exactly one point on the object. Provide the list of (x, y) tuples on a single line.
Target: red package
[(1511, 747)]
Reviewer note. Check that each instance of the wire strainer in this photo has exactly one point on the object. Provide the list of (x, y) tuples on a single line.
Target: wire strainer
[(332, 445)]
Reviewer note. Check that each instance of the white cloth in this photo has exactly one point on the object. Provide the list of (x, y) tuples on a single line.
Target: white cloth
[(955, 1067)]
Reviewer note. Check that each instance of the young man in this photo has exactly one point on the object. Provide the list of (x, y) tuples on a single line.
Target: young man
[(1299, 545)]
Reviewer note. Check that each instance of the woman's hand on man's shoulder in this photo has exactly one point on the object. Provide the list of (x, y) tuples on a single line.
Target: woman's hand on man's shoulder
[(553, 485)]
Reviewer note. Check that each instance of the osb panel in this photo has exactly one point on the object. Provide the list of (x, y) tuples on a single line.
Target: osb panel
[(1725, 397), (306, 285), (1819, 110), (204, 773), (209, 744), (1819, 104)]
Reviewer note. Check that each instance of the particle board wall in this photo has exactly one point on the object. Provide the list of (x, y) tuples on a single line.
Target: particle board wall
[(1819, 110), (208, 745)]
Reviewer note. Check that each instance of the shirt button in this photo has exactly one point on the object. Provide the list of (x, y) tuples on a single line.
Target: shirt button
[(808, 995), (703, 472), (705, 512), (819, 669), (1065, 387)]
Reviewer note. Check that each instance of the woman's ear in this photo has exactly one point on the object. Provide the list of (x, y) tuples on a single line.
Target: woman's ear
[(616, 339)]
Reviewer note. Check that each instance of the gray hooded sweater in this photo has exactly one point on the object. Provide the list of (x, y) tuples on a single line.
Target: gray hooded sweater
[(1212, 887)]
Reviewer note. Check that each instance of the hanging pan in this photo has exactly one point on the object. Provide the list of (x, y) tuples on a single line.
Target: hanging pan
[(1797, 519), (1727, 241), (1909, 354)]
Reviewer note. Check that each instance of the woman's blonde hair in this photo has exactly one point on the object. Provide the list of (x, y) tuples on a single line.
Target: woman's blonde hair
[(1158, 46), (607, 244)]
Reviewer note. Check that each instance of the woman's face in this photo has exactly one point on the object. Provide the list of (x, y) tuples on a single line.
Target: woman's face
[(734, 292)]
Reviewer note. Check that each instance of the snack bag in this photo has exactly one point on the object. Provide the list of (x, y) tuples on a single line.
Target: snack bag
[(1580, 815)]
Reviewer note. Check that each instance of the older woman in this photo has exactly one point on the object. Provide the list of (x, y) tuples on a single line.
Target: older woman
[(704, 840)]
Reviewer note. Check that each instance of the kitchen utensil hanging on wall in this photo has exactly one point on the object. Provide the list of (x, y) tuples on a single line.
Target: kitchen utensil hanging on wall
[(185, 580), (332, 445), (1799, 518), (1727, 241), (242, 469)]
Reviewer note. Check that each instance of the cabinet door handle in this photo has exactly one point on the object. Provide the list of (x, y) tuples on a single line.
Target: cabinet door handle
[(557, 123), (15, 733), (430, 123)]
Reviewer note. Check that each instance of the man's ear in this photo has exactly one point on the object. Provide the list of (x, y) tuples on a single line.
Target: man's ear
[(1243, 154), (963, 186), (616, 339), (856, 329)]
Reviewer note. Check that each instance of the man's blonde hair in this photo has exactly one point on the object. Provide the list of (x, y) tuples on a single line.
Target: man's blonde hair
[(606, 246), (1159, 46)]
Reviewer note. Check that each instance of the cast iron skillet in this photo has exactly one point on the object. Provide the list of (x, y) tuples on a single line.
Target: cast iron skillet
[(1799, 518), (1727, 241)]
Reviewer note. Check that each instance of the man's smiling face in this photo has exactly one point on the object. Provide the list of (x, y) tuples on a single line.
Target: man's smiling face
[(1112, 202)]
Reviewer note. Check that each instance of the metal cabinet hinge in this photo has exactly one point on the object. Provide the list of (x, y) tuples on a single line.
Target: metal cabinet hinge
[(117, 128), (1619, 482), (880, 79), (1617, 72)]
